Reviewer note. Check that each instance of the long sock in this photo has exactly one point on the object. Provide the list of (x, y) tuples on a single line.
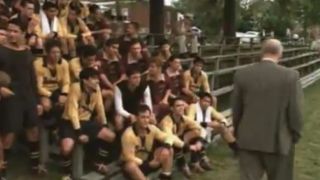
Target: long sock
[(66, 164), (7, 153), (202, 153), (194, 157), (34, 153), (116, 146), (103, 155), (181, 161)]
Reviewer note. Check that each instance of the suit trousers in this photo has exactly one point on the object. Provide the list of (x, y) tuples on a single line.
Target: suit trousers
[(254, 164)]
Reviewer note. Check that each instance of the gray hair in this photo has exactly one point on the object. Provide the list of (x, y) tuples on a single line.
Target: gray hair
[(272, 46)]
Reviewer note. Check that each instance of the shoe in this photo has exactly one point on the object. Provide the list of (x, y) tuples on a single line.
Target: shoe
[(39, 170), (195, 167), (186, 171), (66, 177), (164, 177), (102, 169), (205, 164)]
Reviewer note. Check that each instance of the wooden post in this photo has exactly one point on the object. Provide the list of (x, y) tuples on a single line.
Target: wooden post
[(44, 145), (77, 161)]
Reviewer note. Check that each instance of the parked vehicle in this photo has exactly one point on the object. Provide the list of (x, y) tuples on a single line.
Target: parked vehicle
[(246, 37)]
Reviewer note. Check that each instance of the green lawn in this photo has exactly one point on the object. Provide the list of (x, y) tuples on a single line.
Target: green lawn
[(225, 166)]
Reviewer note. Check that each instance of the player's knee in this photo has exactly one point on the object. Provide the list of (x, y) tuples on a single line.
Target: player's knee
[(130, 167), (67, 146), (107, 135), (165, 153)]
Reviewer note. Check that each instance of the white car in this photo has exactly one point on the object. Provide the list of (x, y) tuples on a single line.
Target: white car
[(246, 37)]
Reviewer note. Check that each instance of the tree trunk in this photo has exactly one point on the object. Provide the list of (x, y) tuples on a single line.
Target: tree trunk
[(229, 26), (118, 9), (157, 19)]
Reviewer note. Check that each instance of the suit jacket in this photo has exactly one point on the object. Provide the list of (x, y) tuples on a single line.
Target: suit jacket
[(267, 101)]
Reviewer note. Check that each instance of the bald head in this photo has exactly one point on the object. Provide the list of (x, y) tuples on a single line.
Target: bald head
[(272, 47)]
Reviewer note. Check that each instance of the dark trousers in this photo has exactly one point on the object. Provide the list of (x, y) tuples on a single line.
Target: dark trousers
[(253, 165)]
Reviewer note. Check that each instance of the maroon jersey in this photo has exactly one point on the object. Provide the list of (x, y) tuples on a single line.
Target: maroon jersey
[(158, 90), (141, 64), (175, 82), (111, 68)]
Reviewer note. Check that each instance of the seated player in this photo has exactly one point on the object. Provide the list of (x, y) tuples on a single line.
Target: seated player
[(53, 81), (75, 30), (159, 88), (129, 94), (30, 21), (140, 153), (49, 26), (196, 81), (131, 32), (174, 76), (111, 71), (134, 58), (210, 119), (177, 124), (3, 33), (84, 120), (164, 51), (87, 58)]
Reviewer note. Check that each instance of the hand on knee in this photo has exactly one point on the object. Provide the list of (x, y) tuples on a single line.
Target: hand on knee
[(46, 104)]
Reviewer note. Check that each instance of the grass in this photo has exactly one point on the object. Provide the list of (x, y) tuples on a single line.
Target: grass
[(307, 162)]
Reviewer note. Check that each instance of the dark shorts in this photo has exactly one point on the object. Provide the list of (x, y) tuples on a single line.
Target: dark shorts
[(90, 128), (146, 168), (16, 114)]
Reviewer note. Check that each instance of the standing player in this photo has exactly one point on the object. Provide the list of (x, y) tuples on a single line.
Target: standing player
[(19, 109)]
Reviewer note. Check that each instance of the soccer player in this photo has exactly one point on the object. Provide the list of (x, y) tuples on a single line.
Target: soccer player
[(84, 120), (30, 21), (209, 118), (140, 153), (75, 30), (134, 58), (195, 81), (190, 132), (87, 58), (20, 108), (159, 88), (53, 82), (129, 94), (174, 76), (111, 70)]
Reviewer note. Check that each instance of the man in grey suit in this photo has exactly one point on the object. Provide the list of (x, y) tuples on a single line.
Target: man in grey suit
[(267, 116)]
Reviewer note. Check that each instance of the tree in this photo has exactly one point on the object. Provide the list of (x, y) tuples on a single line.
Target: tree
[(229, 20), (208, 14), (157, 18)]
